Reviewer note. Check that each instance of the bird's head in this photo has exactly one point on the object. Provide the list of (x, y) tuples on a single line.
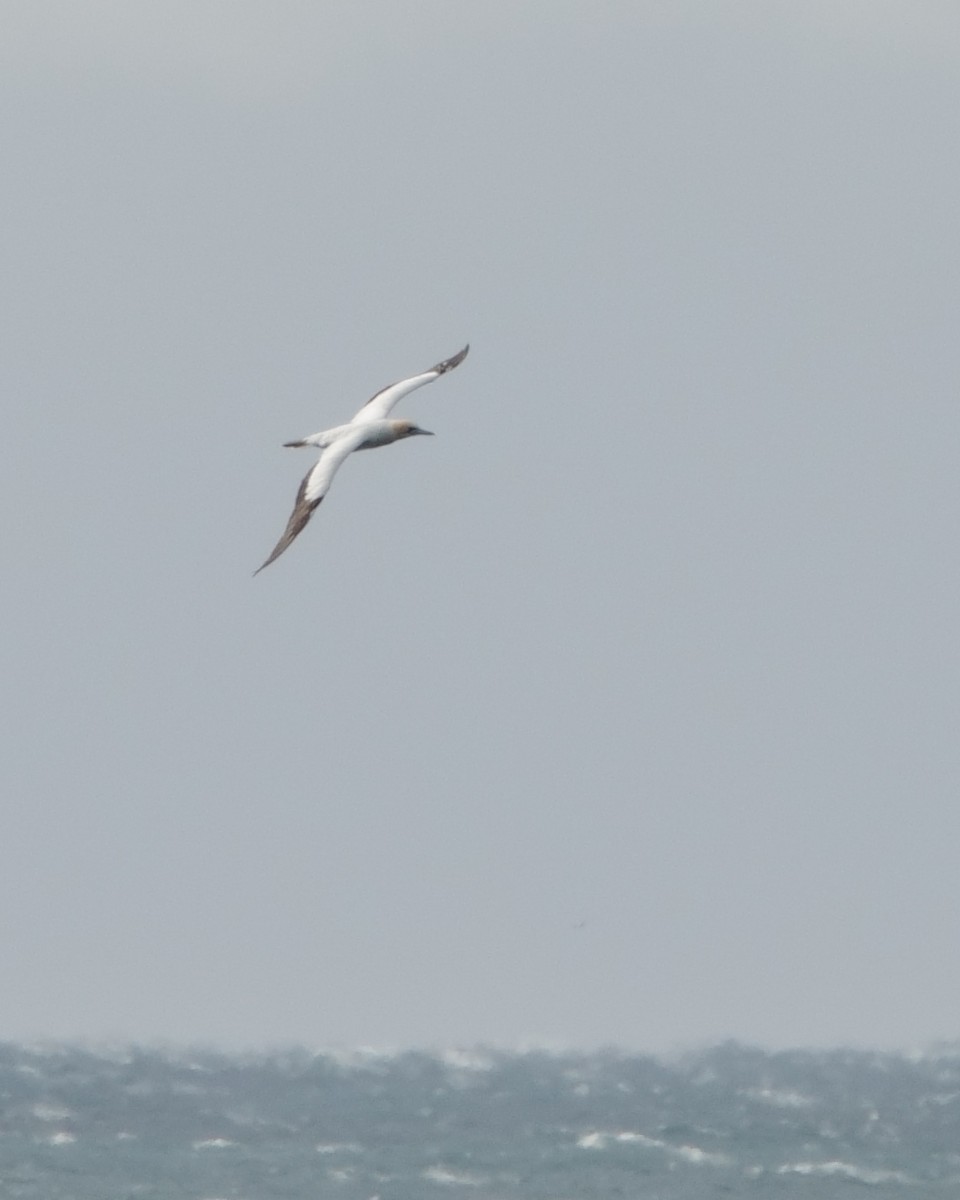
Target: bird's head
[(404, 429)]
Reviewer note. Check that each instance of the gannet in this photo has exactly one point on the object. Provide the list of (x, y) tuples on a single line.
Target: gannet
[(368, 429)]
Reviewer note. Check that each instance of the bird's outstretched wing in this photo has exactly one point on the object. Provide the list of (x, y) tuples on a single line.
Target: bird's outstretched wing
[(313, 487), (377, 407)]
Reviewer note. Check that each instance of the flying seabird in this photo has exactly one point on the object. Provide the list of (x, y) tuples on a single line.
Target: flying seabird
[(369, 428)]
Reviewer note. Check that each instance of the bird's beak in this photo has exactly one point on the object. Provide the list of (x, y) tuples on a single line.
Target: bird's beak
[(427, 432)]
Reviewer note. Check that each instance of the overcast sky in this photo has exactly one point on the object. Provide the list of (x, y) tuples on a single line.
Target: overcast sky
[(626, 710)]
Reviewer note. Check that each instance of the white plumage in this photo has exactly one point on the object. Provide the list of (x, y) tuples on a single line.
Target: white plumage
[(368, 429)]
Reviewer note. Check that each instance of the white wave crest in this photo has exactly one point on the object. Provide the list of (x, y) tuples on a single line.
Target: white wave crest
[(778, 1097), (844, 1170), (448, 1178), (599, 1140)]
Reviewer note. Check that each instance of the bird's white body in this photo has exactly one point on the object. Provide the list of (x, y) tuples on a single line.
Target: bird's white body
[(376, 433), (368, 429)]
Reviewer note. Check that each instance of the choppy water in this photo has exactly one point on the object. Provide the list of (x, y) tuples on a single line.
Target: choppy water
[(81, 1124)]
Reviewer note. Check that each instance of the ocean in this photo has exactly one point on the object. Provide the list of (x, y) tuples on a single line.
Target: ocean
[(82, 1123)]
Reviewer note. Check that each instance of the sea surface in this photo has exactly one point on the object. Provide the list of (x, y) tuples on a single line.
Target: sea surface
[(78, 1123)]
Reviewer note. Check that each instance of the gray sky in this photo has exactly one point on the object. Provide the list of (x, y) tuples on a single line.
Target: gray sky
[(626, 709)]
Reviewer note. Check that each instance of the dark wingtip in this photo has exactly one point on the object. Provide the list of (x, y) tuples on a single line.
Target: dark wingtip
[(302, 512), (449, 363), (294, 444)]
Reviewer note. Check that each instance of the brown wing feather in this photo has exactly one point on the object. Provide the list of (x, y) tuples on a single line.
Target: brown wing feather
[(302, 512), (449, 363)]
